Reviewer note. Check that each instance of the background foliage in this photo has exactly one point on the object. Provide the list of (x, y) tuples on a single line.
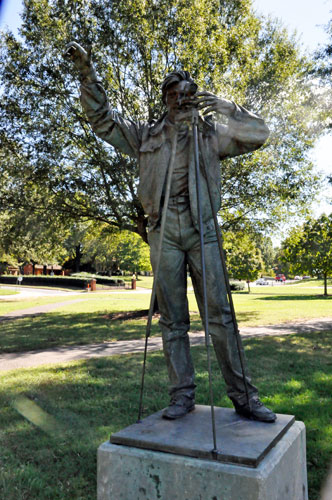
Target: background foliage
[(308, 248), (51, 162)]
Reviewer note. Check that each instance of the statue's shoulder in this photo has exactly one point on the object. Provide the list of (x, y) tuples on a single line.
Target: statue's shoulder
[(153, 128), (156, 126), (207, 125), (152, 136)]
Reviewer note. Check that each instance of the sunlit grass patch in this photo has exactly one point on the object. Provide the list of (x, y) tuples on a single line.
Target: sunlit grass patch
[(7, 292)]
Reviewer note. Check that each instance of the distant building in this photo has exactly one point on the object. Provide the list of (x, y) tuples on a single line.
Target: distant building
[(13, 270), (46, 269)]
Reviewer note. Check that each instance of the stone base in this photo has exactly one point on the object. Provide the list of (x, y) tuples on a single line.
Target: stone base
[(238, 440), (128, 473)]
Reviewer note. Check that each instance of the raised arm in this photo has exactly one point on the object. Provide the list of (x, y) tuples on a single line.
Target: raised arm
[(244, 132), (109, 125)]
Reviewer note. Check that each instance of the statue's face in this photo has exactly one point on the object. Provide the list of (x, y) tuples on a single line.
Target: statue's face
[(177, 99)]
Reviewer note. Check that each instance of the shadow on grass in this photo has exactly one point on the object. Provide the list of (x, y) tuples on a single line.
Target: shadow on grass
[(91, 399), (242, 317), (295, 297), (54, 329)]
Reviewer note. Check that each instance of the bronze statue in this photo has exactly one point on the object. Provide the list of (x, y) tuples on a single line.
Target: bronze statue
[(151, 144)]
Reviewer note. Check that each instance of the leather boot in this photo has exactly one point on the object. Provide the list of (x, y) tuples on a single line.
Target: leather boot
[(179, 407), (257, 411)]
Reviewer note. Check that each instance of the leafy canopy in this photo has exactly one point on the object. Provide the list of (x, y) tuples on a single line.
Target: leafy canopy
[(308, 248), (51, 160), (244, 258)]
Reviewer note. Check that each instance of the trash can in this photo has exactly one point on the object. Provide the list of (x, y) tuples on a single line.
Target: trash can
[(93, 284), (133, 282)]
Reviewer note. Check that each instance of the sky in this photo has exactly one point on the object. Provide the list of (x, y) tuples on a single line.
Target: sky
[(306, 17)]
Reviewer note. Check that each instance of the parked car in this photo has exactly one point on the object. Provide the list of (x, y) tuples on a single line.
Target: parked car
[(280, 277), (262, 281), (297, 278), (306, 277)]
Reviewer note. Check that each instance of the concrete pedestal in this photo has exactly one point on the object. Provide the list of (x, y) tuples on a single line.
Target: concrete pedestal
[(135, 473)]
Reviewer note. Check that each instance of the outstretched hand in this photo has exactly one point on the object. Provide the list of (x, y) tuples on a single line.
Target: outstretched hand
[(210, 103), (80, 57)]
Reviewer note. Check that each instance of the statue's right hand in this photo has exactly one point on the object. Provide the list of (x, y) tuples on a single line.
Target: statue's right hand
[(79, 56)]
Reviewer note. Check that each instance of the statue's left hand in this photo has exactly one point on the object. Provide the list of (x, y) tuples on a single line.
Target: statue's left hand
[(210, 103)]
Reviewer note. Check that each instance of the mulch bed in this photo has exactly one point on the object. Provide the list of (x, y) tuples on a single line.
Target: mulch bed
[(127, 315), (140, 314)]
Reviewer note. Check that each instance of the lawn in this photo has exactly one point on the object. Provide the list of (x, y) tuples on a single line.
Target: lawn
[(313, 283), (8, 305), (270, 305), (144, 281), (76, 406), (79, 323), (88, 321), (7, 292)]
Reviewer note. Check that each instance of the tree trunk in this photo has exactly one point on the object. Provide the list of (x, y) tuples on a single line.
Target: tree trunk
[(141, 227), (77, 259), (325, 284), (248, 283)]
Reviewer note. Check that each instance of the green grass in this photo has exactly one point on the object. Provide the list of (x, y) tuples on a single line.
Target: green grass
[(7, 292), (88, 322), (278, 304), (312, 283), (52, 330), (43, 287), (87, 400), (8, 305), (99, 301), (105, 303), (144, 281)]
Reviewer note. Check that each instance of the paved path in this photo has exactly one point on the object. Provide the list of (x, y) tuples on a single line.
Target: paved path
[(55, 355), (31, 293), (27, 292), (305, 326)]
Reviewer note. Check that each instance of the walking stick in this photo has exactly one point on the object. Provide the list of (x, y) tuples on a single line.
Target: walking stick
[(224, 267), (205, 301), (156, 270)]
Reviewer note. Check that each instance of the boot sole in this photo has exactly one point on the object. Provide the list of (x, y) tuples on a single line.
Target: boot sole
[(171, 417), (250, 416)]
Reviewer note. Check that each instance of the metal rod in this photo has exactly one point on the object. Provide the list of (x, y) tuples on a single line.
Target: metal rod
[(156, 270), (224, 267), (205, 301)]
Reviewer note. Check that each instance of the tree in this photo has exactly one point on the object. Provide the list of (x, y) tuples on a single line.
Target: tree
[(281, 266), (308, 248), (75, 243), (265, 245), (48, 147), (108, 249), (244, 259), (26, 237), (324, 72), (323, 56)]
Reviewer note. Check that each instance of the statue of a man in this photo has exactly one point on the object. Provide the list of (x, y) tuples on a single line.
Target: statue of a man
[(150, 144)]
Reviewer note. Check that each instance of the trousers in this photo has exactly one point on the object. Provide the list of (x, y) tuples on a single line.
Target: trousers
[(181, 248)]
